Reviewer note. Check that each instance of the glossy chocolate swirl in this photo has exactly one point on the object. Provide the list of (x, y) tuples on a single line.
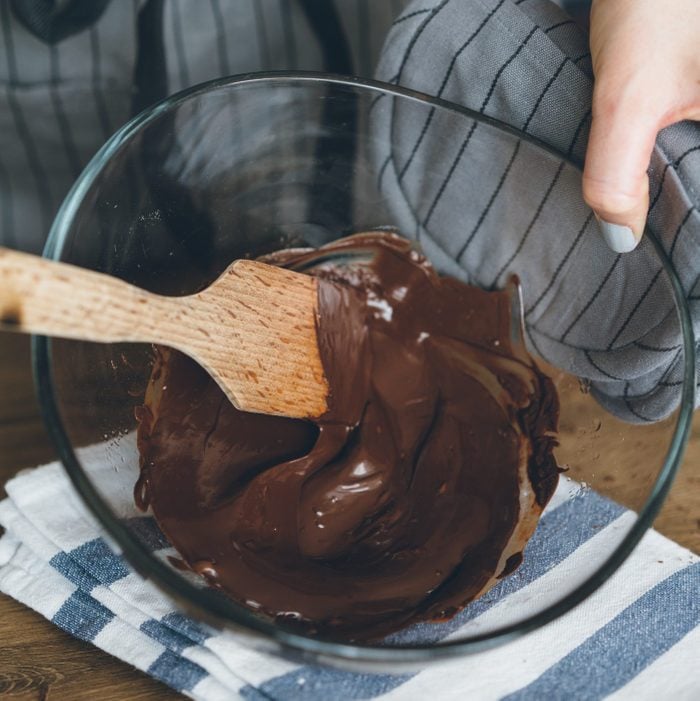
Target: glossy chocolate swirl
[(414, 493)]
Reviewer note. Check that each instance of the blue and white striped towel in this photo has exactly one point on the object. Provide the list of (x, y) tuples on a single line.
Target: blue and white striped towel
[(638, 637)]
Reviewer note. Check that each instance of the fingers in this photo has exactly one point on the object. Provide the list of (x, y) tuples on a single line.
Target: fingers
[(615, 180), (647, 76)]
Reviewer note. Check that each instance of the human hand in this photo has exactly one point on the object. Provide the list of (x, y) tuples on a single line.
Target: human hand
[(646, 60)]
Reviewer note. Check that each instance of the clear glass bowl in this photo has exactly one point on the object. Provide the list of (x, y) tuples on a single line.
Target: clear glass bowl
[(243, 166)]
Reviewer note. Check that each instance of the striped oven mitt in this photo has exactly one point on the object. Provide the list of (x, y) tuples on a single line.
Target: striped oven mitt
[(606, 317)]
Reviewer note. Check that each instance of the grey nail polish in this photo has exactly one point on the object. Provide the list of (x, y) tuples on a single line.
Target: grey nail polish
[(618, 236)]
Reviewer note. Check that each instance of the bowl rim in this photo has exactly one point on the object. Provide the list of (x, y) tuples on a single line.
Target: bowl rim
[(208, 604)]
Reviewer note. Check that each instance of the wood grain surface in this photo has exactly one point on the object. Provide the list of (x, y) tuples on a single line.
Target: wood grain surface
[(39, 661)]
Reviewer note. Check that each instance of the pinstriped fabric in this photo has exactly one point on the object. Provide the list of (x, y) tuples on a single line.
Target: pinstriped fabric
[(290, 39), (221, 43), (506, 267), (364, 34), (7, 225), (98, 90), (557, 25), (584, 123), (440, 92), (179, 44), (673, 165), (414, 35), (677, 235), (565, 33), (17, 126), (639, 304), (57, 105), (596, 293), (589, 311), (261, 33), (524, 62), (489, 204), (64, 126), (410, 15), (561, 265), (503, 67), (506, 171), (201, 44), (543, 93)]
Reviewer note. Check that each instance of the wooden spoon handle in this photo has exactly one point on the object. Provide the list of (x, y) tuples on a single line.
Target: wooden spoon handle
[(56, 299)]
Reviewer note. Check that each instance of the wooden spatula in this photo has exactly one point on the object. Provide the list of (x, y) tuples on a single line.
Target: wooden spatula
[(253, 329)]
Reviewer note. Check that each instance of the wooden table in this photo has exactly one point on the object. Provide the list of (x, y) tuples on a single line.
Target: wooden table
[(39, 661)]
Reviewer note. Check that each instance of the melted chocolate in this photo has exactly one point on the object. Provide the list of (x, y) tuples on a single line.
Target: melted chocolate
[(414, 493)]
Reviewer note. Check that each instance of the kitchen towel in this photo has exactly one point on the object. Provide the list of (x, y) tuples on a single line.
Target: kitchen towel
[(637, 637)]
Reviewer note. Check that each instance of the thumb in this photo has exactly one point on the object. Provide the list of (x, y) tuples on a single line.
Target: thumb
[(615, 180)]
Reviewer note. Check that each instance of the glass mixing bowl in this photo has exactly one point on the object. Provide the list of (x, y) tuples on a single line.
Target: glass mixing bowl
[(243, 166)]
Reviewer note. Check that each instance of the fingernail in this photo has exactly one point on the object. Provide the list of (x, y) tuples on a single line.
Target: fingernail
[(618, 236)]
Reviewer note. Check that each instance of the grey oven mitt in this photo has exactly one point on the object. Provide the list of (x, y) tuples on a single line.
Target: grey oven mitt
[(483, 206)]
